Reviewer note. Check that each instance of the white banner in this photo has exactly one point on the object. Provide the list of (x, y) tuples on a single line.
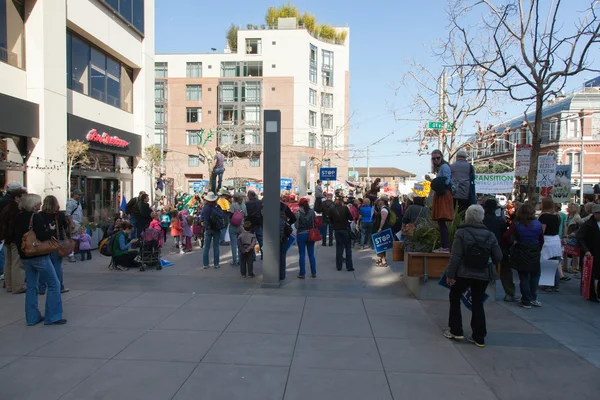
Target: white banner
[(546, 172), (494, 183), (522, 159), (561, 192)]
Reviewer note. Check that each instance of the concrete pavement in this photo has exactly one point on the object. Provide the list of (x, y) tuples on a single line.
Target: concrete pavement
[(189, 333)]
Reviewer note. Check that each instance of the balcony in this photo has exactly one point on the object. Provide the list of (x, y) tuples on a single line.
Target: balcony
[(241, 144)]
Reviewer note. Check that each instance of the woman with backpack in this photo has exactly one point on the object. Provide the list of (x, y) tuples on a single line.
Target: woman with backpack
[(238, 212), (469, 266), (305, 221), (214, 220)]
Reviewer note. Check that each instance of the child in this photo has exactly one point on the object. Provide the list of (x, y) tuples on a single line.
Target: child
[(176, 228), (246, 243), (155, 224), (165, 222), (186, 233), (85, 244)]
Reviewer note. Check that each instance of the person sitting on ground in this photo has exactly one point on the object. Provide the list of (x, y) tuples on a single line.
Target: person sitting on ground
[(122, 253)]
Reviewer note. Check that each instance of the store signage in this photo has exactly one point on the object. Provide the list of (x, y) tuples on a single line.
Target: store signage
[(105, 138)]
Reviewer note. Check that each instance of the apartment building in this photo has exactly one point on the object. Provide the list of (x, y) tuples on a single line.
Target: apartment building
[(225, 94), (77, 70), (570, 124)]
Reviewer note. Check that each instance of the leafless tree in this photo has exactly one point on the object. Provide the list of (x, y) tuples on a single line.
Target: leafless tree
[(529, 48)]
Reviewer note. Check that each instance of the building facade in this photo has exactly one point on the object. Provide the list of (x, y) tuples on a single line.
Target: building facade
[(570, 131), (223, 96), (394, 181), (77, 70)]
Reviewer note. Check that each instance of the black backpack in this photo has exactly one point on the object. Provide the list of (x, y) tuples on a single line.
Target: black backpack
[(285, 230), (131, 206), (107, 245), (477, 255), (216, 221)]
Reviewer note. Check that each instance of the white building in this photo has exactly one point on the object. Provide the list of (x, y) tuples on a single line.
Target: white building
[(76, 69), (286, 69)]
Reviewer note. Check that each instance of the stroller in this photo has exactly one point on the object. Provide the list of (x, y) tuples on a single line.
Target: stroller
[(150, 245)]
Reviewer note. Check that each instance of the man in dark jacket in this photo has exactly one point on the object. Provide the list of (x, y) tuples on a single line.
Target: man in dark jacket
[(14, 273), (588, 237), (254, 209), (287, 217), (326, 208), (497, 225), (340, 220)]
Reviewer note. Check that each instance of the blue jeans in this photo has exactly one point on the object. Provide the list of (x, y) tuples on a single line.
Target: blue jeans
[(529, 282), (56, 261), (211, 236), (217, 173), (304, 244), (324, 228), (342, 241), (365, 234), (36, 269), (233, 235)]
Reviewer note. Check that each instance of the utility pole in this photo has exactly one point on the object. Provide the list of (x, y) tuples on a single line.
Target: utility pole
[(368, 162), (581, 164), (442, 106)]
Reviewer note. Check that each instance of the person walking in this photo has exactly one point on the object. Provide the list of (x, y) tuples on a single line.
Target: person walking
[(217, 171), (14, 274), (340, 218), (238, 212), (497, 225), (442, 207), (463, 181), (526, 237), (381, 218), (56, 224), (74, 213), (327, 227), (246, 241), (37, 267), (588, 237), (469, 266), (84, 243), (305, 221), (212, 229)]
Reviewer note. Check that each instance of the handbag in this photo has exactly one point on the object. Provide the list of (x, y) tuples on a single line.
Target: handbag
[(32, 247), (65, 247), (314, 234), (408, 230)]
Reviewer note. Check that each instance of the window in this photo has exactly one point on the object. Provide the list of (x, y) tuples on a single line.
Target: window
[(251, 92), (93, 73), (327, 78), (328, 142), (312, 97), (313, 56), (159, 114), (194, 115), (312, 118), (313, 74), (229, 162), (327, 121), (159, 91), (228, 92), (253, 68), (554, 129), (159, 136), (252, 115), (227, 114), (161, 70), (312, 140), (253, 46), (132, 11), (193, 70), (192, 138), (528, 137), (574, 160), (255, 161), (327, 100), (230, 69), (193, 92), (225, 138), (12, 32), (251, 136), (193, 161), (573, 128), (327, 67)]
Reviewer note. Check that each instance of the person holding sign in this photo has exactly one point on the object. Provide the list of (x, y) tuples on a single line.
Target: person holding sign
[(380, 223)]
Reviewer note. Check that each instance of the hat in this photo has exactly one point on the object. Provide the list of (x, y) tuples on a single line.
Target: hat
[(210, 196), (461, 154), (15, 187), (596, 208), (223, 192), (384, 198), (411, 196), (77, 192)]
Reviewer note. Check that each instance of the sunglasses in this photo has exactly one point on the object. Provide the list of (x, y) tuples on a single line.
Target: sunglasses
[(436, 158)]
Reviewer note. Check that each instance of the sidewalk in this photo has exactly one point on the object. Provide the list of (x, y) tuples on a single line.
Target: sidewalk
[(189, 333)]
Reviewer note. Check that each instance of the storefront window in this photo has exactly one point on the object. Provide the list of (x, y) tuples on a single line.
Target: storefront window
[(12, 32)]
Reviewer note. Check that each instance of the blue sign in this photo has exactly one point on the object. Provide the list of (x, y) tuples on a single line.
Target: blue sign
[(286, 184), (467, 295), (328, 174), (383, 241), (197, 186)]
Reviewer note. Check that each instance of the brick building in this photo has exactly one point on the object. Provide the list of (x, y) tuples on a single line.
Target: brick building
[(395, 181)]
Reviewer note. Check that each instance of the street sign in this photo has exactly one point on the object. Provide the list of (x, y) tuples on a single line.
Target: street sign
[(439, 125), (328, 174), (286, 184)]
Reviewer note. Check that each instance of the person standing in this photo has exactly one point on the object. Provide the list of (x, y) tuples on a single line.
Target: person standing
[(145, 214), (327, 227), (305, 221), (442, 207), (373, 192), (246, 241), (254, 210), (497, 225), (340, 218), (217, 171), (160, 185), (318, 196), (473, 246), (463, 181), (588, 237), (14, 275), (74, 213), (381, 218), (573, 223), (396, 208), (37, 267), (238, 212), (552, 248), (223, 202), (212, 232), (287, 219)]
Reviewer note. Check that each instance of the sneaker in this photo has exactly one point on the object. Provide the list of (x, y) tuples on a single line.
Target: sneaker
[(243, 276), (205, 267), (216, 267), (536, 303), (65, 290), (525, 306), (480, 345), (565, 278), (508, 298), (71, 258), (449, 335), (251, 275), (59, 322)]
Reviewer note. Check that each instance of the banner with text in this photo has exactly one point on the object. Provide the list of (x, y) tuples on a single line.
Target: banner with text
[(546, 172), (494, 183), (561, 192), (522, 159)]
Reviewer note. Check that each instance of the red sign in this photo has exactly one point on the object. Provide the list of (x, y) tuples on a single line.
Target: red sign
[(105, 138)]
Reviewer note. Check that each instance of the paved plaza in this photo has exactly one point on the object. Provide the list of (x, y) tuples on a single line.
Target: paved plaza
[(189, 333)]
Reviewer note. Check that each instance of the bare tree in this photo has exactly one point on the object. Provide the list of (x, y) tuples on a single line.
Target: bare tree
[(152, 157), (525, 54), (77, 157)]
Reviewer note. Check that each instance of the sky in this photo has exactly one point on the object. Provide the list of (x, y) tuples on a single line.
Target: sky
[(384, 37)]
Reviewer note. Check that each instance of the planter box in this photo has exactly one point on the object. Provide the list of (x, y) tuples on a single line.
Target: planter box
[(415, 263), (398, 251)]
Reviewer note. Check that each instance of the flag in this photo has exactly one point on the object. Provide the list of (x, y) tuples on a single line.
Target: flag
[(123, 203)]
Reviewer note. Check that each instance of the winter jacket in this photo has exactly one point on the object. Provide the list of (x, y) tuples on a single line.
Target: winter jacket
[(467, 235), (461, 179), (588, 237), (176, 227), (305, 220), (246, 241), (85, 241)]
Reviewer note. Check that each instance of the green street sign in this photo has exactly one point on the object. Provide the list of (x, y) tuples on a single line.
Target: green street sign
[(439, 125)]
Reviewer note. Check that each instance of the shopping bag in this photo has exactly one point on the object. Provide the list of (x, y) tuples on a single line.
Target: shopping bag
[(227, 238), (466, 297), (586, 276)]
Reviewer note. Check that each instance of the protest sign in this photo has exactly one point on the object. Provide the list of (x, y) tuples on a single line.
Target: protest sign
[(546, 174), (383, 241), (522, 159), (561, 192), (467, 295), (494, 183)]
